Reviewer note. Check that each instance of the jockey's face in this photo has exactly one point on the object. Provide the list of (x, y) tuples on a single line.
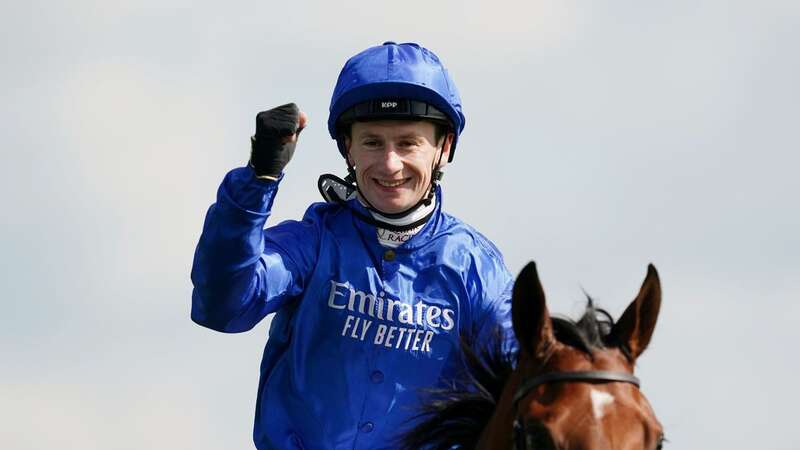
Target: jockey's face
[(393, 160)]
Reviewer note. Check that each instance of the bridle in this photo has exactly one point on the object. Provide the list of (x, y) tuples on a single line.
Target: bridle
[(527, 386)]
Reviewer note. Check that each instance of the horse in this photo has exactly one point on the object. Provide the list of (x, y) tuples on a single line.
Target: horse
[(569, 386)]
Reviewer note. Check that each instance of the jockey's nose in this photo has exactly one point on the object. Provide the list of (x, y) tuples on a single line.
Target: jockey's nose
[(391, 159)]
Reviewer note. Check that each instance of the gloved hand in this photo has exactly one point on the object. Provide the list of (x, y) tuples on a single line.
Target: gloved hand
[(276, 137)]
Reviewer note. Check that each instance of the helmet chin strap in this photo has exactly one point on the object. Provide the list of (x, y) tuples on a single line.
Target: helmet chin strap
[(426, 200), (337, 190)]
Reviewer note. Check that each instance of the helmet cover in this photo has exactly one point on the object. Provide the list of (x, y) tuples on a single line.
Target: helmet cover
[(396, 74)]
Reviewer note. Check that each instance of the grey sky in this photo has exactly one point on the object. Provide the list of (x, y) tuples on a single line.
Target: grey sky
[(600, 136)]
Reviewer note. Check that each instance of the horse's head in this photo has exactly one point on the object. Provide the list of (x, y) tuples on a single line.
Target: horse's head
[(573, 387)]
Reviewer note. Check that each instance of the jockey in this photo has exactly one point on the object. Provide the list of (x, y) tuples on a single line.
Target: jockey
[(374, 288)]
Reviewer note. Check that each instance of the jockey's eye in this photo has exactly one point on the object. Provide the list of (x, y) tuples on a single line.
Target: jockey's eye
[(408, 143)]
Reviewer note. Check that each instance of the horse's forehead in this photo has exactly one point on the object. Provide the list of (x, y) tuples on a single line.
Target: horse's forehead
[(574, 403), (586, 415)]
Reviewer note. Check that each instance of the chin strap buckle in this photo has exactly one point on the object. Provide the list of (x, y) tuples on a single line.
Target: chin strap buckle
[(436, 178), (335, 189)]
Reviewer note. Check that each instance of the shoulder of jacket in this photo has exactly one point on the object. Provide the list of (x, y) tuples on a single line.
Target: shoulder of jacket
[(318, 210), (478, 239)]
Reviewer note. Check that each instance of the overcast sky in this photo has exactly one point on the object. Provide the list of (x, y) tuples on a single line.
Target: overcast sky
[(600, 136)]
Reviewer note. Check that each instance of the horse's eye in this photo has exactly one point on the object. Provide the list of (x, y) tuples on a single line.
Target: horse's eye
[(660, 444), (537, 436)]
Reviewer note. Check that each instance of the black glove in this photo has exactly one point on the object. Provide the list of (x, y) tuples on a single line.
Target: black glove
[(269, 154)]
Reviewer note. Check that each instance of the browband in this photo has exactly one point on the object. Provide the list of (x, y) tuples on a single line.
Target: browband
[(588, 376)]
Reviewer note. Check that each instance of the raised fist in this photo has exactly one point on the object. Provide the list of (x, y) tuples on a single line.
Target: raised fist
[(276, 137)]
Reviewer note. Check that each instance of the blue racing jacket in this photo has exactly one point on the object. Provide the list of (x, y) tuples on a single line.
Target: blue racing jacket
[(360, 328)]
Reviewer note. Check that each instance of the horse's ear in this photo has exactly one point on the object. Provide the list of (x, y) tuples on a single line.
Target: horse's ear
[(529, 313), (635, 327)]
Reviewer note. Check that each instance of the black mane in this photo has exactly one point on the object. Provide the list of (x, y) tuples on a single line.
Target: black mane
[(457, 415), (592, 331)]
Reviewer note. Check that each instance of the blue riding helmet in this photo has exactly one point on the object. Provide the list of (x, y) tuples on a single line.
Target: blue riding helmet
[(395, 81)]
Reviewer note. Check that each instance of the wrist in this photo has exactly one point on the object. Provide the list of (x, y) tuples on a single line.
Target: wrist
[(267, 157), (262, 177)]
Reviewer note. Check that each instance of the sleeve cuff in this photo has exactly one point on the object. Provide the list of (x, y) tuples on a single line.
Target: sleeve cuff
[(249, 192)]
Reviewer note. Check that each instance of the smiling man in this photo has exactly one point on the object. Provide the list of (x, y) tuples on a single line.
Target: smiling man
[(374, 288), (392, 181)]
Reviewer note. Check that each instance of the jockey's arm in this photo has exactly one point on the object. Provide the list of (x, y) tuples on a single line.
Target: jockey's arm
[(242, 272)]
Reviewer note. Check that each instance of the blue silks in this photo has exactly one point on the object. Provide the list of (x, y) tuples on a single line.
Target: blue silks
[(359, 328)]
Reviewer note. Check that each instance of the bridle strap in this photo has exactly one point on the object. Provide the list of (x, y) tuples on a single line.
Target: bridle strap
[(588, 376)]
